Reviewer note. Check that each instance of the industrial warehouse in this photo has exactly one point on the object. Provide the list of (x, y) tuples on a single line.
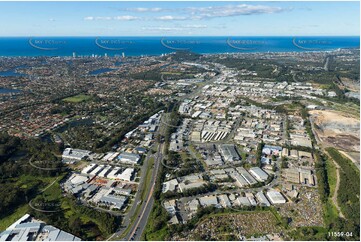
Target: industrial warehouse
[(104, 186), (28, 228)]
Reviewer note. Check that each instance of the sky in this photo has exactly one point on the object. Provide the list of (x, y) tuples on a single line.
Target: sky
[(180, 18)]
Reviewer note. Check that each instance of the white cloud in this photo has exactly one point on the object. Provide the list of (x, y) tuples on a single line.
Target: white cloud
[(231, 10), (159, 28), (126, 18), (146, 9), (175, 28), (103, 18), (121, 18), (195, 26), (170, 18), (89, 18), (197, 13)]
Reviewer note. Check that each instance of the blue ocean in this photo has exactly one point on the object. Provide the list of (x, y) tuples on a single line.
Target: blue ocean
[(150, 46)]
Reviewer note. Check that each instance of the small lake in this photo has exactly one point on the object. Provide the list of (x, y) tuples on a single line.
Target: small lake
[(7, 90), (10, 73)]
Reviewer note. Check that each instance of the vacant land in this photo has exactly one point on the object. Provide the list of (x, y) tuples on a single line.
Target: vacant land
[(351, 84), (77, 98), (337, 130)]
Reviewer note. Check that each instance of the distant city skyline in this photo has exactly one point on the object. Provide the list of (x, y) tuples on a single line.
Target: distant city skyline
[(179, 19)]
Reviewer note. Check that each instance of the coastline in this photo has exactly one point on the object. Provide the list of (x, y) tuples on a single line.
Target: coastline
[(158, 46)]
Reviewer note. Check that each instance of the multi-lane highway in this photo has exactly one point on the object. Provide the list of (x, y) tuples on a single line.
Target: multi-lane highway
[(140, 222), (135, 220)]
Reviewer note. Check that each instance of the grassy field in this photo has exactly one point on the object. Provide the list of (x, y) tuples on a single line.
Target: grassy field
[(147, 178), (49, 194), (19, 212), (77, 98), (160, 235), (330, 212), (352, 108), (26, 182), (332, 176)]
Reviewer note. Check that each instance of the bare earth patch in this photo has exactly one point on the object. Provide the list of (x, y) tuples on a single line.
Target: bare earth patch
[(337, 129)]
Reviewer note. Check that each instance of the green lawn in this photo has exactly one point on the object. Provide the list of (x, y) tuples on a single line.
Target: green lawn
[(148, 177), (330, 212), (77, 98), (331, 175), (53, 192), (156, 236)]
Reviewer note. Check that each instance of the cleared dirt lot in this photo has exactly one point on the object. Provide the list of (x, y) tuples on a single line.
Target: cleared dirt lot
[(351, 84), (337, 129)]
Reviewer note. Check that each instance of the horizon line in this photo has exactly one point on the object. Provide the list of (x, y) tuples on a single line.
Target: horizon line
[(163, 36)]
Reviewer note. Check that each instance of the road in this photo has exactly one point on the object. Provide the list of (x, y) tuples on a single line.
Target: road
[(134, 222), (140, 223), (127, 218), (136, 219)]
